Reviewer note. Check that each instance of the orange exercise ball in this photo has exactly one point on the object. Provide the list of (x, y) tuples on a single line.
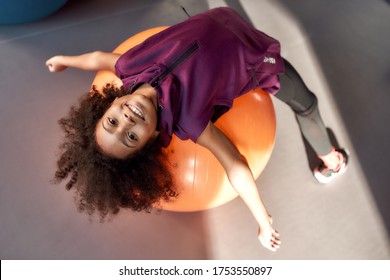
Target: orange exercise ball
[(200, 179)]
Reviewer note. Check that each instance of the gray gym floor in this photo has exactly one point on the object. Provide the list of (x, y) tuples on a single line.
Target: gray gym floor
[(341, 48)]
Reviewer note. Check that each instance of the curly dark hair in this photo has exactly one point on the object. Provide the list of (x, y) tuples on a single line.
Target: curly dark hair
[(105, 184)]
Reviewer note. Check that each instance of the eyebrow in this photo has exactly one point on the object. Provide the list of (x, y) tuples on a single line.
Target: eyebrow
[(122, 141)]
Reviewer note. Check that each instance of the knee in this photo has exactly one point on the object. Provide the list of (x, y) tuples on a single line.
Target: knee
[(308, 107)]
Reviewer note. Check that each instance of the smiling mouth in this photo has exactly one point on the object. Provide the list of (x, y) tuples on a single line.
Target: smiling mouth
[(136, 111)]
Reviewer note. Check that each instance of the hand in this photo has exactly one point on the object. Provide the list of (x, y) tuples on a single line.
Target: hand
[(55, 65), (268, 236)]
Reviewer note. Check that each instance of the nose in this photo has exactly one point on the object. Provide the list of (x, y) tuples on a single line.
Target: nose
[(127, 114), (129, 118)]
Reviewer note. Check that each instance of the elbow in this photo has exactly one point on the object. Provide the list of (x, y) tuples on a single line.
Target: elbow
[(103, 61), (93, 61), (96, 54)]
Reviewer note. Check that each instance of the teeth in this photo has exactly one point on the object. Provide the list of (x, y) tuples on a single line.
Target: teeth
[(136, 111)]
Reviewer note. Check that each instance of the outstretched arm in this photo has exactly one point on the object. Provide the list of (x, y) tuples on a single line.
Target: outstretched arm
[(93, 61), (241, 178)]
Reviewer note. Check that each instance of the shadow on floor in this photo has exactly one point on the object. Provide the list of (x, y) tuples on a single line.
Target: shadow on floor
[(346, 37)]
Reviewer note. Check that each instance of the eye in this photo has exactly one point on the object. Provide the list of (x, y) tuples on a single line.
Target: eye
[(111, 121), (132, 136)]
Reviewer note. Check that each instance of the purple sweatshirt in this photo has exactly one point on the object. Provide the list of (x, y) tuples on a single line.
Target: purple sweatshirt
[(198, 67)]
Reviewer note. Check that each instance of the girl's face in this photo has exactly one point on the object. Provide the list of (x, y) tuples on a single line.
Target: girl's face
[(127, 125)]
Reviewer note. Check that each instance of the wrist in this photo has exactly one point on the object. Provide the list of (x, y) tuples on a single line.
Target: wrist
[(263, 219), (61, 59)]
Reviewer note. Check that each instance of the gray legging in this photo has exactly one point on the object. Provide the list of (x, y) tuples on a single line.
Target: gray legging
[(303, 102)]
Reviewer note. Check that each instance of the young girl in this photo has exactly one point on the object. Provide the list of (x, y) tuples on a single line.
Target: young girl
[(179, 81)]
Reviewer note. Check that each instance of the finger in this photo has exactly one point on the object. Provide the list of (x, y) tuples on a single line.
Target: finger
[(274, 247), (271, 247), (275, 240), (275, 243), (275, 237)]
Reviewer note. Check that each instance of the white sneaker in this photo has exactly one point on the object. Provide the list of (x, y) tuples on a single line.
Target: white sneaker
[(325, 175)]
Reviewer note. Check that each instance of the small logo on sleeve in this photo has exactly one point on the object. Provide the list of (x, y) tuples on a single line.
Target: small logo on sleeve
[(269, 60)]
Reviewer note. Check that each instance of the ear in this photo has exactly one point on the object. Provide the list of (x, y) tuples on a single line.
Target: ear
[(112, 102), (155, 134)]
